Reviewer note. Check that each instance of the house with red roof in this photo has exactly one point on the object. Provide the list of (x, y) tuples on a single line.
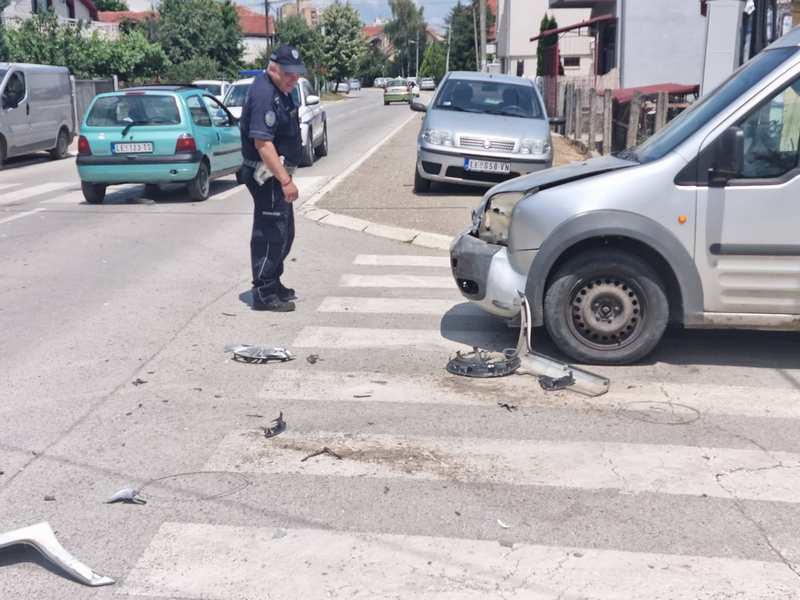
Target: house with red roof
[(66, 10)]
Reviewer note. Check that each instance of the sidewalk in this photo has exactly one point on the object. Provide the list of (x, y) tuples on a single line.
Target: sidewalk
[(382, 189)]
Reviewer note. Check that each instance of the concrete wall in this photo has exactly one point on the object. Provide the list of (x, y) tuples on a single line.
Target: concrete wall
[(662, 42), (518, 21)]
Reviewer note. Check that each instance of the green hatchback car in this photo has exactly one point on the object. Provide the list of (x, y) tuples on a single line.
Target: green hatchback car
[(157, 135)]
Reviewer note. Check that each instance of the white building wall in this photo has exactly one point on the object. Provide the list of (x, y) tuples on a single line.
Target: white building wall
[(253, 47), (519, 20)]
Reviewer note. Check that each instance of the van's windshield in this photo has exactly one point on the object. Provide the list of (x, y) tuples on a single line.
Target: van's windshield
[(701, 112)]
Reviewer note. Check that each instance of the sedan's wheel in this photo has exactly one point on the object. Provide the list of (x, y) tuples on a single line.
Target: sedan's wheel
[(200, 186), (2, 153), (62, 145), (307, 158), (606, 307), (421, 185), (93, 192), (322, 149)]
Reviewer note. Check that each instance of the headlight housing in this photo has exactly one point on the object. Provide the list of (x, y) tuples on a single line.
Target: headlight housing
[(496, 222), (438, 137), (534, 146)]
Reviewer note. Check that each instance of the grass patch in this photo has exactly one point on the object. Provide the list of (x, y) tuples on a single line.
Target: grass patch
[(331, 97)]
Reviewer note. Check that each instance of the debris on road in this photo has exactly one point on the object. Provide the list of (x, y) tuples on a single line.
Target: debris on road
[(483, 363), (507, 406), (327, 451), (522, 360), (503, 525), (313, 359), (364, 395), (138, 381), (49, 498), (255, 416), (229, 314), (259, 354), (42, 537), (127, 495), (278, 427)]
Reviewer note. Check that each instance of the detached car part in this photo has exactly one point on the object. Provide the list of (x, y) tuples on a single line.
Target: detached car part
[(43, 538), (483, 363), (259, 354)]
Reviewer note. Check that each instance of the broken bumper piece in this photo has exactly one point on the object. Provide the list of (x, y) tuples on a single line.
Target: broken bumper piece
[(42, 537), (259, 354)]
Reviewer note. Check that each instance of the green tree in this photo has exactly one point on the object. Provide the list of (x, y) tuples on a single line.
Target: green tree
[(296, 32), (373, 64), (462, 38), (405, 27), (342, 42), (111, 5), (545, 46), (198, 67), (434, 63), (198, 28), (3, 50)]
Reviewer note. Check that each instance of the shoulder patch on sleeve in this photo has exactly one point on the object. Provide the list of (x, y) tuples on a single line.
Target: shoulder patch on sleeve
[(270, 118)]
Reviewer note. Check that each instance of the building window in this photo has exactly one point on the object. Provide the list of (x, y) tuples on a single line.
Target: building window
[(572, 62)]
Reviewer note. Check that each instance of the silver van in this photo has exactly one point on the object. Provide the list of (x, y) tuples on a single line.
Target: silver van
[(36, 110), (699, 226)]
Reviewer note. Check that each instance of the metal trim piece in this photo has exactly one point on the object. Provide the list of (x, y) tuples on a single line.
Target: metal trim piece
[(754, 249), (133, 159), (42, 537)]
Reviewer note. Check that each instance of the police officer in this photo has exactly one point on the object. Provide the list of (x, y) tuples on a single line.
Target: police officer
[(271, 146)]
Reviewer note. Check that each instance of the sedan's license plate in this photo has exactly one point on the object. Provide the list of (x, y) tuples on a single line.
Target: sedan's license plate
[(486, 166), (132, 148)]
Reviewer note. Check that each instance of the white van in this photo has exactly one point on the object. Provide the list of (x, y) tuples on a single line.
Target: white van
[(36, 110)]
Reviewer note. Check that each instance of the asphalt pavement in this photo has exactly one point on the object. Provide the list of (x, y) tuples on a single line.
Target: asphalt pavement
[(682, 483)]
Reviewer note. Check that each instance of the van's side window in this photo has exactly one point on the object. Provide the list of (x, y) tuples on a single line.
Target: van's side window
[(772, 136), (15, 90)]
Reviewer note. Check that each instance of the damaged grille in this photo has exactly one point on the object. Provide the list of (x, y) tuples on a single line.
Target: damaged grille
[(486, 144)]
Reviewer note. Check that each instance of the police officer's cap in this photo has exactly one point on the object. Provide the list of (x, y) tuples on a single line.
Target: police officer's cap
[(289, 59)]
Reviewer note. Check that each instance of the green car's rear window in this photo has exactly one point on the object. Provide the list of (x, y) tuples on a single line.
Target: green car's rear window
[(129, 108)]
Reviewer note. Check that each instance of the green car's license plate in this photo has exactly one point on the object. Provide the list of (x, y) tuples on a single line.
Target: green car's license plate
[(132, 148)]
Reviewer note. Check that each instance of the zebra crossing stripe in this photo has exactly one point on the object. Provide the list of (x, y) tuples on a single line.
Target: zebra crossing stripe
[(746, 474), (197, 561), (425, 340), (686, 400), (402, 260), (5, 186), (31, 192), (398, 306), (398, 281)]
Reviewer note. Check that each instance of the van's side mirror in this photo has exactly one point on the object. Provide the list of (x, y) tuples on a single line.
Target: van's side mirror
[(418, 106), (728, 157)]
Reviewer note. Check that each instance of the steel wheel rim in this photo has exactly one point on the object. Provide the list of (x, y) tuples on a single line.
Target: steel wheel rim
[(607, 312), (204, 180)]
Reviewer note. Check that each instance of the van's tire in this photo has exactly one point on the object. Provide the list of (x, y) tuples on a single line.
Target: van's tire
[(322, 149), (606, 283), (421, 185), (200, 186), (62, 145), (94, 193), (307, 158)]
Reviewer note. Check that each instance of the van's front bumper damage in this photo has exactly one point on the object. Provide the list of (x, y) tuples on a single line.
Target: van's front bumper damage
[(485, 275)]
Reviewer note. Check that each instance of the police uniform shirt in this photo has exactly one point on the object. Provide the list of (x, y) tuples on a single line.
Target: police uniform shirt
[(270, 115)]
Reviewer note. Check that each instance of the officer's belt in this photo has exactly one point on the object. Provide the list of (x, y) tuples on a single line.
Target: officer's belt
[(255, 164)]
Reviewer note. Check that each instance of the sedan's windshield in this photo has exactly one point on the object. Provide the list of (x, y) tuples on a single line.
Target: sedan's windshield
[(396, 83), (236, 95), (701, 112), (126, 109), (211, 88), (490, 97)]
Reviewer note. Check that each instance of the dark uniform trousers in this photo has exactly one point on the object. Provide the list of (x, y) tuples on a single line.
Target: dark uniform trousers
[(273, 234)]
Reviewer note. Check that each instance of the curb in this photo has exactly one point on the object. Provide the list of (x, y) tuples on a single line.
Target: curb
[(415, 237)]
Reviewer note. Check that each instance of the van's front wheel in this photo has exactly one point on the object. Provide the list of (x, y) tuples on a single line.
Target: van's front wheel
[(608, 308)]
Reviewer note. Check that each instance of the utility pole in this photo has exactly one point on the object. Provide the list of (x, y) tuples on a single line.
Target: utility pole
[(449, 39), (483, 36), (416, 70), (475, 38), (266, 24)]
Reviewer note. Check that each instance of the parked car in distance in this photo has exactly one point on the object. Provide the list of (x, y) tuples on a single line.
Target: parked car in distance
[(216, 87), (380, 82), (481, 129), (396, 90), (427, 84), (697, 226), (36, 110), (157, 135), (355, 85), (313, 118), (343, 87)]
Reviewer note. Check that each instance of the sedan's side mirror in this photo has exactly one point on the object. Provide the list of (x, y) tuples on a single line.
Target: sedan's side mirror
[(418, 106), (311, 100), (728, 158)]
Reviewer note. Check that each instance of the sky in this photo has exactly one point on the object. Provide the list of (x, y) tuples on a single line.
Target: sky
[(435, 10)]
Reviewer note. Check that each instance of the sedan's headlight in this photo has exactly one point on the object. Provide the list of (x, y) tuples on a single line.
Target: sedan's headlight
[(438, 137), (496, 221), (534, 146)]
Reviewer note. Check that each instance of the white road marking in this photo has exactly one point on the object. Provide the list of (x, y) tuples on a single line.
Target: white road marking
[(402, 260), (398, 281), (628, 468), (686, 401), (231, 192), (219, 562), (30, 192), (21, 215), (398, 306), (5, 186), (349, 338)]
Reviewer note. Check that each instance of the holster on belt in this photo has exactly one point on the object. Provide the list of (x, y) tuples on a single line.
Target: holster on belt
[(261, 171)]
